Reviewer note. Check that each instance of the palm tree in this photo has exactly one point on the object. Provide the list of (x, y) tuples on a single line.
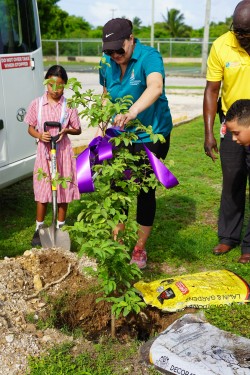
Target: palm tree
[(175, 24), (137, 22)]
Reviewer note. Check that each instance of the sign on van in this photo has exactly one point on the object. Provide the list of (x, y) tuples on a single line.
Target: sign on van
[(12, 62)]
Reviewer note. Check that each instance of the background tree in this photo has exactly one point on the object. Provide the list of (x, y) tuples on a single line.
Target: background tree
[(55, 23), (95, 32), (136, 24), (160, 30), (76, 27), (51, 18), (175, 24), (217, 29)]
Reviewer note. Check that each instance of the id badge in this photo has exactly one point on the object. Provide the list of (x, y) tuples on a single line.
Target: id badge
[(223, 129)]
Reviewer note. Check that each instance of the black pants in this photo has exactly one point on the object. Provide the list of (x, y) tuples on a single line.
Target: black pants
[(146, 202), (235, 163)]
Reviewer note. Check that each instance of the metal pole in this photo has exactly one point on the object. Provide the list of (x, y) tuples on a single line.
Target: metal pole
[(152, 23), (113, 12), (57, 52), (206, 37)]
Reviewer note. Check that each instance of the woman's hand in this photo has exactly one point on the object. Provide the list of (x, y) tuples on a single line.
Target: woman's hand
[(122, 119), (148, 97)]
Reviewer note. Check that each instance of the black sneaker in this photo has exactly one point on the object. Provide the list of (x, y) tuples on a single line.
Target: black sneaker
[(36, 239)]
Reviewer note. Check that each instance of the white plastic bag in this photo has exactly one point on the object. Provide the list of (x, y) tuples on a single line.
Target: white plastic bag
[(191, 346)]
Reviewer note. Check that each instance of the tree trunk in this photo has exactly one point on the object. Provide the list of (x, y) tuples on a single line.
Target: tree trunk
[(112, 326)]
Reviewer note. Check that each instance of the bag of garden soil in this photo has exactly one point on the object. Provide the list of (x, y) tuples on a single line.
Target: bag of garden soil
[(198, 290)]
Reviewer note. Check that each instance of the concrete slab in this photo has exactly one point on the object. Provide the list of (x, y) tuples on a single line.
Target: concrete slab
[(185, 103)]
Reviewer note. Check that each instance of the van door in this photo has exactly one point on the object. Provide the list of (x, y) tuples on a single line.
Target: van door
[(3, 137), (18, 91), (21, 77)]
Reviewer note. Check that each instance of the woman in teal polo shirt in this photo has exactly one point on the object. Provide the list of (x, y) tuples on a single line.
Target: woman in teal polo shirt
[(137, 70)]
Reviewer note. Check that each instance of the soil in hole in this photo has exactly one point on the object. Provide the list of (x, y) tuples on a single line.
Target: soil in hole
[(46, 290), (72, 301)]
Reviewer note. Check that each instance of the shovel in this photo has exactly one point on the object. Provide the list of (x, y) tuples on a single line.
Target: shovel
[(52, 237)]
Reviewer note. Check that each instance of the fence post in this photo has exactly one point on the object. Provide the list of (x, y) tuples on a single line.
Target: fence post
[(57, 52), (206, 38)]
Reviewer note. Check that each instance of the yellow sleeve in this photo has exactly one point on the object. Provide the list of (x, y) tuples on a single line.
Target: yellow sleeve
[(215, 70)]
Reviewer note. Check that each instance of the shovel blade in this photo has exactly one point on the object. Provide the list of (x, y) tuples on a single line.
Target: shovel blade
[(52, 237)]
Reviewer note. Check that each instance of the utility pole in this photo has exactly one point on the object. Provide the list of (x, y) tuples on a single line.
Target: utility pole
[(152, 23), (113, 12), (206, 37)]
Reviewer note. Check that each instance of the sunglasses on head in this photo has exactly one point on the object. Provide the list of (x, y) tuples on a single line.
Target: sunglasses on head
[(240, 32), (110, 52)]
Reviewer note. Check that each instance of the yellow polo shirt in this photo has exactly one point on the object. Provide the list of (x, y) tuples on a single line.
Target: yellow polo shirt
[(230, 63)]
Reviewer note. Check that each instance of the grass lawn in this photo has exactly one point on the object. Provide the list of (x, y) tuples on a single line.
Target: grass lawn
[(185, 229)]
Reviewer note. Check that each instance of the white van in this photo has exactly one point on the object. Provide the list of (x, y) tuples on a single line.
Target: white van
[(21, 81)]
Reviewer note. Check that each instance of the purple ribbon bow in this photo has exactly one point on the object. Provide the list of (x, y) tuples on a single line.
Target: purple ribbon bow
[(100, 149)]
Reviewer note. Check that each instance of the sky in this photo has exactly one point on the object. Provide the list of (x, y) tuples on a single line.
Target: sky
[(98, 12)]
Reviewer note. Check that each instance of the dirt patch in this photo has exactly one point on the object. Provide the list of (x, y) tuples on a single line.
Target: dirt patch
[(50, 285)]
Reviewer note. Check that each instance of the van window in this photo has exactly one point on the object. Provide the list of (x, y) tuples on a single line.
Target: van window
[(19, 31)]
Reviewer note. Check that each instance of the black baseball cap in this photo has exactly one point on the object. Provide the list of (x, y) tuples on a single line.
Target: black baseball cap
[(115, 32)]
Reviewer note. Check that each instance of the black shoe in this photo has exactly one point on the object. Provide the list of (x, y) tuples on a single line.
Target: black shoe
[(36, 239)]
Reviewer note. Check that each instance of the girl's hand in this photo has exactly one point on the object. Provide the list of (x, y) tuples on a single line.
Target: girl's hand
[(62, 134), (45, 137)]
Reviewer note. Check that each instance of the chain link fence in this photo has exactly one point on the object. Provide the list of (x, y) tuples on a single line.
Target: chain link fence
[(169, 48)]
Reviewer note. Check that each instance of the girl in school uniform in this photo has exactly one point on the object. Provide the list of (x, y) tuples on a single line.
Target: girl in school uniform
[(52, 106)]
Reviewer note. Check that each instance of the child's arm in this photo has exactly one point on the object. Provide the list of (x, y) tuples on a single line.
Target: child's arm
[(74, 125), (44, 137), (71, 131)]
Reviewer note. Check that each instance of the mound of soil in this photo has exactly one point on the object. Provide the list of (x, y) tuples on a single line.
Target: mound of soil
[(49, 285)]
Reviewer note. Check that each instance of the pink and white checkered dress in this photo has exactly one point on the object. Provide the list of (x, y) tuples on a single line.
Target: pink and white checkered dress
[(66, 163)]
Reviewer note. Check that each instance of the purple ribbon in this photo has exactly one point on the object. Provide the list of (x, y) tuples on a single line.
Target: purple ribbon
[(100, 149), (162, 173)]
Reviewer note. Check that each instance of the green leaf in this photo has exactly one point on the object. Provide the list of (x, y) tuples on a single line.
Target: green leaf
[(126, 311)]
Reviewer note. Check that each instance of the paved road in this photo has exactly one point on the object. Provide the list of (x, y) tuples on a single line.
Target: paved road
[(170, 70), (90, 80), (185, 104)]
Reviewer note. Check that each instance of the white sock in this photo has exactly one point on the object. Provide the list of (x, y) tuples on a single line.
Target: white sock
[(59, 223), (38, 223)]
